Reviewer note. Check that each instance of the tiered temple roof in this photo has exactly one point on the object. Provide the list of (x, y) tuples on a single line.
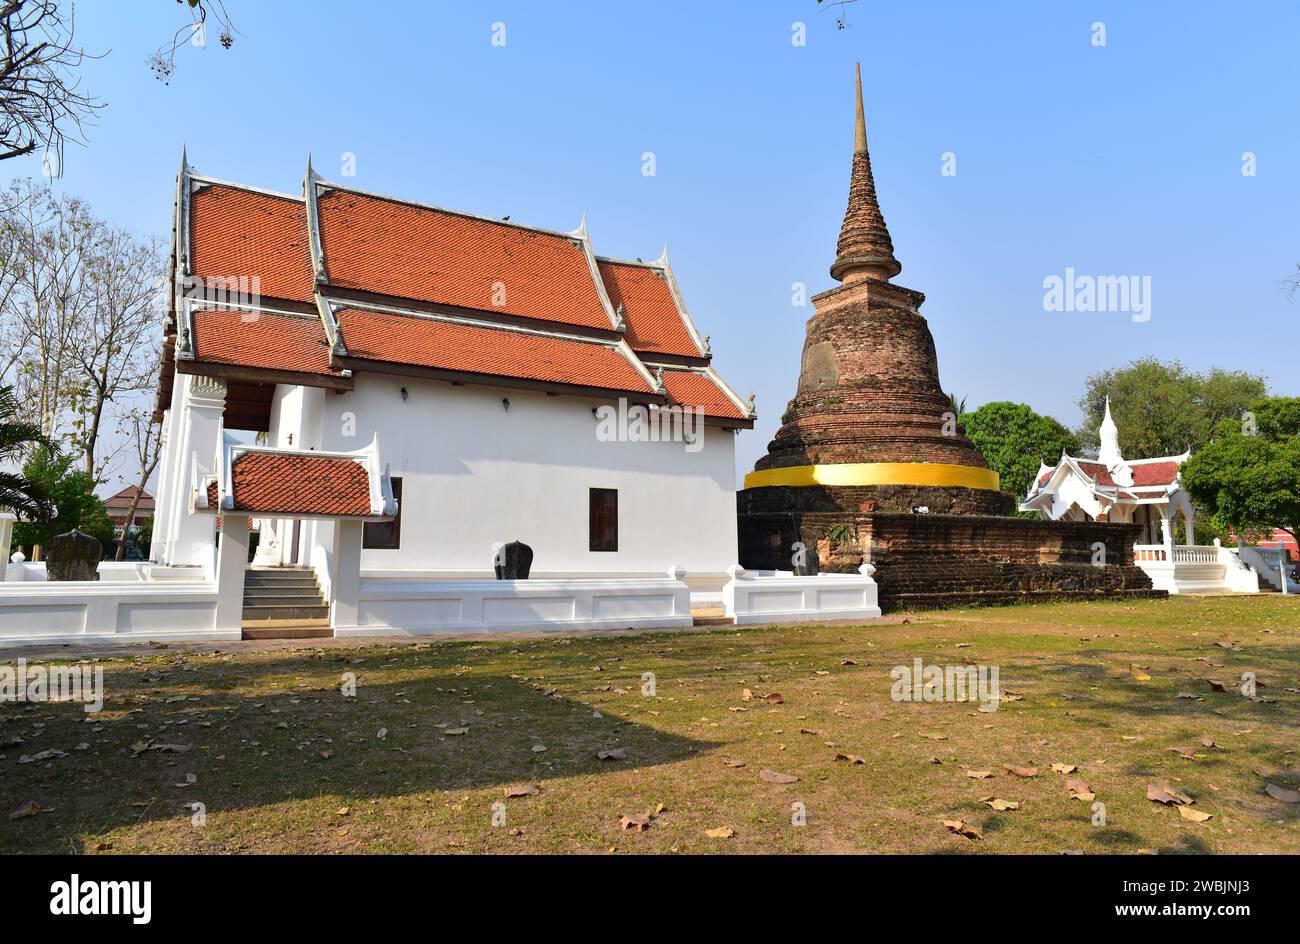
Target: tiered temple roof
[(345, 281)]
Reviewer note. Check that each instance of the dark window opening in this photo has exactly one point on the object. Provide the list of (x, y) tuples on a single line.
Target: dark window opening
[(386, 535), (603, 521)]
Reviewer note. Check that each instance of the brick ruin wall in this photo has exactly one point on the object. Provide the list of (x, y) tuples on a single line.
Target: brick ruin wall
[(939, 560)]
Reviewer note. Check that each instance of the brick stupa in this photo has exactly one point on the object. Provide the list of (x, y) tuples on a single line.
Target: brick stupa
[(869, 463), (869, 426)]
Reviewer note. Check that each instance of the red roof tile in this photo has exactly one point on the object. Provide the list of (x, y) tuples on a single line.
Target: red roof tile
[(241, 233), (392, 248), (261, 339), (269, 483), (1146, 474), (653, 322), (425, 342), (689, 388)]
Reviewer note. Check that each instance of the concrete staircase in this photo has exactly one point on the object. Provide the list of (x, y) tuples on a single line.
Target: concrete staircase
[(284, 603)]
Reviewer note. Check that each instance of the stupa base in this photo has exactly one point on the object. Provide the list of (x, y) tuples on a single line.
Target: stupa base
[(926, 561)]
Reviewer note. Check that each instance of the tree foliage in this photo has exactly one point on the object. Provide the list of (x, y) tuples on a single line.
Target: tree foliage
[(1014, 439), (1163, 409), (1248, 476), (73, 501), (18, 493)]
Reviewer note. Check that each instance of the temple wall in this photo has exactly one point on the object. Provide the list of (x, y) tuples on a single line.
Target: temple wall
[(475, 474)]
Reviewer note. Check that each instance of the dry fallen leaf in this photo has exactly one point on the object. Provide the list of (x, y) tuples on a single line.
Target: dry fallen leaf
[(1021, 771), (613, 753), (746, 694), (522, 790), (1064, 768), (1196, 816), (30, 808), (771, 776), (1002, 805), (1216, 685), (774, 698), (1139, 672), (1163, 793), (979, 774), (735, 763), (1187, 751), (961, 829), (851, 758), (1079, 789), (722, 832)]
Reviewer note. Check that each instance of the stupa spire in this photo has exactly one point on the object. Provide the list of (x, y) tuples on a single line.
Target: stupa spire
[(865, 249)]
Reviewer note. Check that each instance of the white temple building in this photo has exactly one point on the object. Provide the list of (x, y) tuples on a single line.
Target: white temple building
[(1148, 493), (386, 392)]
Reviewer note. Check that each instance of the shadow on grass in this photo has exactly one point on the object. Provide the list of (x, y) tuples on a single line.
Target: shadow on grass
[(266, 731)]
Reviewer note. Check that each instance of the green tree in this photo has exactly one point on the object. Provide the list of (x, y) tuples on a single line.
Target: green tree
[(1014, 439), (18, 493), (1162, 409), (1249, 475), (72, 501)]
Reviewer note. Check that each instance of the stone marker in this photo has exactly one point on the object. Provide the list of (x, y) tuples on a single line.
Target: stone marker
[(514, 561), (73, 556)]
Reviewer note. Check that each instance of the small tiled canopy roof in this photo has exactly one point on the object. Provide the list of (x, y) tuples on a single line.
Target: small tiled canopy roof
[(280, 484), (1145, 474)]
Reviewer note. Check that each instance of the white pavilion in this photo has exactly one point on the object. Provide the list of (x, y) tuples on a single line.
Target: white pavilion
[(1148, 493)]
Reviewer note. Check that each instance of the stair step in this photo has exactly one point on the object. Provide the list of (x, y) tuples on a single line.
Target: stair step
[(266, 576), (282, 598), (291, 612), (287, 629)]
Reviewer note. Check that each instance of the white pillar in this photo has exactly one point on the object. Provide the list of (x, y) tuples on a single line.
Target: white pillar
[(6, 536), (193, 535), (166, 497), (232, 559), (345, 573)]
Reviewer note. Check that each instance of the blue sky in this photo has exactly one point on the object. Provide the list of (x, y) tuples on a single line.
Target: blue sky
[(1119, 160)]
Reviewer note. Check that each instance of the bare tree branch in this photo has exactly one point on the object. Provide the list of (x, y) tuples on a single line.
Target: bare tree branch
[(41, 101)]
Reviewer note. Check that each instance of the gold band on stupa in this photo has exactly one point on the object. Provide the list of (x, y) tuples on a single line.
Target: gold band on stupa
[(876, 473)]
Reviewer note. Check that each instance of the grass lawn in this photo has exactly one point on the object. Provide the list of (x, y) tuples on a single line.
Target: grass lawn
[(283, 762)]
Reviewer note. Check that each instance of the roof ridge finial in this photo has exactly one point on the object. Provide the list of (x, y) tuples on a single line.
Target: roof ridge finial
[(864, 249)]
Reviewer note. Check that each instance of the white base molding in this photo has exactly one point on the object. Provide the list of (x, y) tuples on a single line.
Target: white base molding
[(755, 596), (425, 608)]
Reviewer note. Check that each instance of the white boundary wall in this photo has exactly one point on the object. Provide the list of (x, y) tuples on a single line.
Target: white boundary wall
[(752, 596), (424, 608), (107, 612)]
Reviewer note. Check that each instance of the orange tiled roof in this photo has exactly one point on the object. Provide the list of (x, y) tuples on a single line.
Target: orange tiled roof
[(653, 322), (236, 233), (261, 339), (426, 342), (689, 388), (274, 483), (392, 248), (1144, 474)]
